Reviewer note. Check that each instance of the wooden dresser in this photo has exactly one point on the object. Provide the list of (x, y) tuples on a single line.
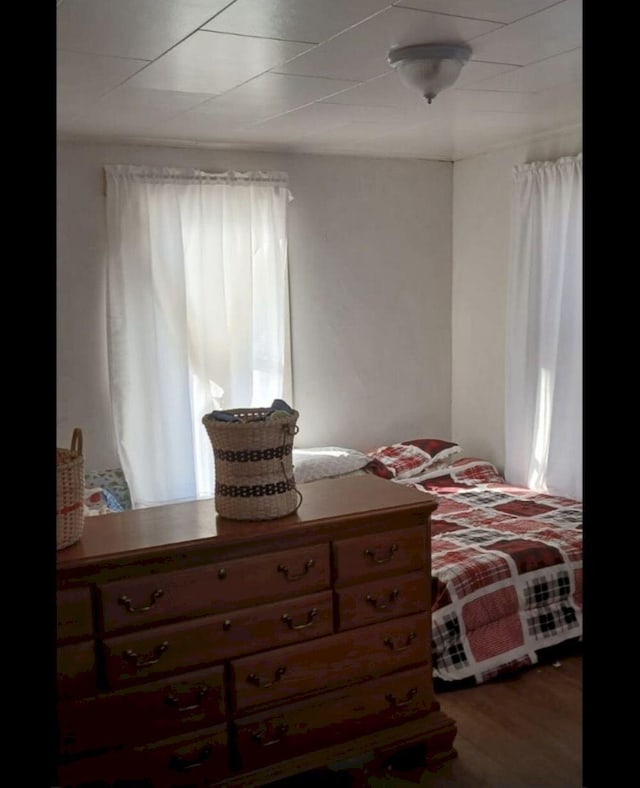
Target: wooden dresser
[(199, 651)]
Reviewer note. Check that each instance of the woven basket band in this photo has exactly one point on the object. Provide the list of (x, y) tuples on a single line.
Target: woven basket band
[(255, 490), (69, 509), (252, 455)]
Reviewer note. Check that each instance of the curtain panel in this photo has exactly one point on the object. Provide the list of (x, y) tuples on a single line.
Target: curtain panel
[(198, 315), (543, 406)]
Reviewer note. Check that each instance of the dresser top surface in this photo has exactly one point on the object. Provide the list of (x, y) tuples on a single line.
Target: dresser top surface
[(195, 524)]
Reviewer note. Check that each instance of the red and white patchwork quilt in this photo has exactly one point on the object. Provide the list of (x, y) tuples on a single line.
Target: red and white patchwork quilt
[(506, 571)]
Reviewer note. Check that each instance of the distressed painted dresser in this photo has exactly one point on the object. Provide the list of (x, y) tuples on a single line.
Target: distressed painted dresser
[(198, 651)]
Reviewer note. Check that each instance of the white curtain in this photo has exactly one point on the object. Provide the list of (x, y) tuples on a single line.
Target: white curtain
[(544, 329), (198, 315)]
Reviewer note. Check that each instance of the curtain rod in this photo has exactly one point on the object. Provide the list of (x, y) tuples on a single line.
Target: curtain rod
[(191, 175)]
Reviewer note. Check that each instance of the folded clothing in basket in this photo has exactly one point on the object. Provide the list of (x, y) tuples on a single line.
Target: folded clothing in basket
[(278, 407)]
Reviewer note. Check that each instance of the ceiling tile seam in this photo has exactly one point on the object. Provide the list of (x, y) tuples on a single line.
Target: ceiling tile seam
[(491, 90), (262, 38), (531, 112), (454, 16), (215, 96), (494, 63), (179, 112), (107, 57), (515, 92), (309, 76), (345, 30), (173, 46), (539, 11), (532, 63), (527, 16), (351, 27), (315, 43), (504, 73), (322, 101), (184, 38), (356, 104), (252, 124), (481, 18), (96, 99), (217, 13), (338, 79)]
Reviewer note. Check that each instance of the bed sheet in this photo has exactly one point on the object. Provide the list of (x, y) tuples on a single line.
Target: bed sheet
[(506, 571)]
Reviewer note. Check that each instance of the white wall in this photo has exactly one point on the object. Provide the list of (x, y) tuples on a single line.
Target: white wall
[(481, 247), (370, 272)]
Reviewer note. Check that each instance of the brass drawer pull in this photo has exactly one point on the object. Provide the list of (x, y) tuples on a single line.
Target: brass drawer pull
[(383, 605), (372, 554), (310, 616), (150, 659), (389, 642), (180, 764), (124, 600), (174, 700), (399, 703), (285, 571), (280, 731), (253, 679)]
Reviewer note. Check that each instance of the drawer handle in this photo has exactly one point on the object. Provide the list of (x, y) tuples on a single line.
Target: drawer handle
[(383, 605), (389, 642), (124, 600), (285, 571), (310, 616), (372, 554), (180, 764), (399, 703), (253, 679), (174, 700), (150, 659), (280, 731)]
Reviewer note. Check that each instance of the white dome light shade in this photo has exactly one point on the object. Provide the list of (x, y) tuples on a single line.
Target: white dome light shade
[(429, 68)]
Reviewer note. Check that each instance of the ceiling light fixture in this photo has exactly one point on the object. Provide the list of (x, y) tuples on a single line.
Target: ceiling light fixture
[(429, 68)]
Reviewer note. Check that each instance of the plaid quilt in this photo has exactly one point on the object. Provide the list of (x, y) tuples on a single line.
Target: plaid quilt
[(506, 571)]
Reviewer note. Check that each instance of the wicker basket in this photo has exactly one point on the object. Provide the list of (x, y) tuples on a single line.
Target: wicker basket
[(70, 492), (253, 464)]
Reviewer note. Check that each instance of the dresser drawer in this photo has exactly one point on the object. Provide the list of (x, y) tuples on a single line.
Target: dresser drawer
[(385, 553), (213, 588), (157, 710), (75, 618), (193, 760), (381, 599), (161, 650), (76, 670), (337, 716), (330, 662)]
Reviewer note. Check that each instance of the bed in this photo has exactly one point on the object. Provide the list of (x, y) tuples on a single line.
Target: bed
[(506, 561), (506, 564)]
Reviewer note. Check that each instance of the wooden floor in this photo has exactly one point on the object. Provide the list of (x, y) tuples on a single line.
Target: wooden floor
[(524, 731)]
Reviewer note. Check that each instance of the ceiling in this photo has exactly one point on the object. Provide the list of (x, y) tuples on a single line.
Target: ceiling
[(311, 76)]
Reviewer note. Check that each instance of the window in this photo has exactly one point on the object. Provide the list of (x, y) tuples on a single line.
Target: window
[(544, 329), (198, 315)]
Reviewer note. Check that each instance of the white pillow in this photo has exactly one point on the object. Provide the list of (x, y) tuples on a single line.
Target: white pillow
[(322, 462)]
